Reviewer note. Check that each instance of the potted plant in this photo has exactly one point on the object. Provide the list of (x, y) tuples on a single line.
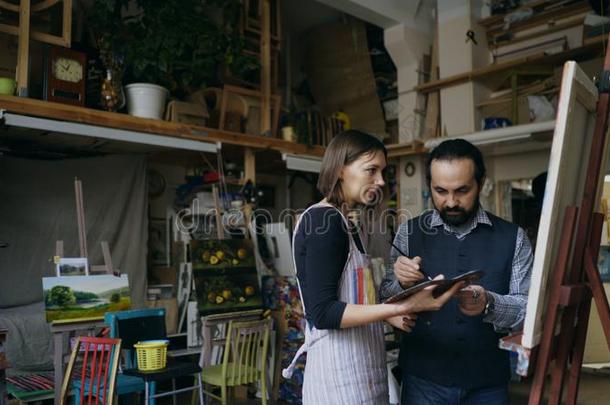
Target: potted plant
[(172, 46)]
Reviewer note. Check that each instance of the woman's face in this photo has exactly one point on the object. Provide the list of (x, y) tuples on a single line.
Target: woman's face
[(362, 180)]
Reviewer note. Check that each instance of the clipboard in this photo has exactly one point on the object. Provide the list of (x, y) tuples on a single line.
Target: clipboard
[(442, 286)]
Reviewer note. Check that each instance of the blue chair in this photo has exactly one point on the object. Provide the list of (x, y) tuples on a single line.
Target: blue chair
[(147, 324), (131, 327)]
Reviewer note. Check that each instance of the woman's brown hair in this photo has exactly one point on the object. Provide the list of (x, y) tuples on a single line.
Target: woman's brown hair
[(342, 150)]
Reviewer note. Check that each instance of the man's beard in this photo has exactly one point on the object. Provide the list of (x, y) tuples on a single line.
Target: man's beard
[(462, 215)]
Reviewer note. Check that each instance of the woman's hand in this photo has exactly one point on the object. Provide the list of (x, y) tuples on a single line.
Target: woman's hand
[(425, 301), (403, 322), (407, 271)]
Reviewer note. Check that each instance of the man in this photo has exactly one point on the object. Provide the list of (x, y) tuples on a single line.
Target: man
[(452, 356)]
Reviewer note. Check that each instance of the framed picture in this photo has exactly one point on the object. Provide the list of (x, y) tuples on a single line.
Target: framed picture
[(84, 297), (72, 266), (158, 252)]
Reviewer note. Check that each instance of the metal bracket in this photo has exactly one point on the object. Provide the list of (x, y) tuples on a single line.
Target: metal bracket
[(604, 84)]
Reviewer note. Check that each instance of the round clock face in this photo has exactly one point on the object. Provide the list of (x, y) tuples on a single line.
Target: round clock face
[(68, 70)]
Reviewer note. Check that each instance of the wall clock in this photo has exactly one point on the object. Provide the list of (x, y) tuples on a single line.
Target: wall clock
[(66, 76)]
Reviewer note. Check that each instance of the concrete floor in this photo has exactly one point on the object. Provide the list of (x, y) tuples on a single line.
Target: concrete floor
[(594, 390)]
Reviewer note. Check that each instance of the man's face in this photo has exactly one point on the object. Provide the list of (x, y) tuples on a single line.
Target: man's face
[(455, 192)]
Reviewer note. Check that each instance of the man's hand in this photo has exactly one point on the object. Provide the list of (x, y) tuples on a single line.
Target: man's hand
[(407, 271), (472, 300), (403, 322)]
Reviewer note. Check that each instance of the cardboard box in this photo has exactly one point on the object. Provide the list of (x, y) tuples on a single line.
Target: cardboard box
[(171, 313)]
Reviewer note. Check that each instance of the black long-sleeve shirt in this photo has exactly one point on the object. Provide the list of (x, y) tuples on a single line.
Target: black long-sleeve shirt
[(321, 248)]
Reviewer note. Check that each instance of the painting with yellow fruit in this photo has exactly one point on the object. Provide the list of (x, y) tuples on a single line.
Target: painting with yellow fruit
[(214, 254), (228, 292), (225, 275)]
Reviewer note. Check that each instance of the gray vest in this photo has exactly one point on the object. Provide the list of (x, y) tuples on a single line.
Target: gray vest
[(446, 346)]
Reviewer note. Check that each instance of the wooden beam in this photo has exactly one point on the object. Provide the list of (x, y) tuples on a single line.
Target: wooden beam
[(57, 111), (266, 69), (406, 149), (249, 165), (23, 54)]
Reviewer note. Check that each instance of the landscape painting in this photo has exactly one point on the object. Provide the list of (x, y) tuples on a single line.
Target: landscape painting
[(84, 297), (72, 266)]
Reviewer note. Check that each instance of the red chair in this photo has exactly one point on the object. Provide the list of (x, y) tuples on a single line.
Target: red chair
[(98, 361)]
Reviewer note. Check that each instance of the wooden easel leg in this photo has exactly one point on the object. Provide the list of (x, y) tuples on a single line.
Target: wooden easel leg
[(548, 332), (564, 347), (579, 350), (584, 311)]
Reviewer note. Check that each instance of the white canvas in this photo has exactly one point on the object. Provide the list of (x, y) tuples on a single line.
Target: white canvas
[(564, 186)]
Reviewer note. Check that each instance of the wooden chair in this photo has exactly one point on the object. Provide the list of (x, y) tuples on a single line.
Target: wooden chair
[(244, 358), (100, 360)]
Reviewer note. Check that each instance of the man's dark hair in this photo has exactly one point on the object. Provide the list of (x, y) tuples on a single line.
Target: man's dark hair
[(457, 149)]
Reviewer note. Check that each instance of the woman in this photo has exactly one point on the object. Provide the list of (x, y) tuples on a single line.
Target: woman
[(346, 360)]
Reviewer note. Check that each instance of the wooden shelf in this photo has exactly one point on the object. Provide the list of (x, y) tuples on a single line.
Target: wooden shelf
[(591, 45), (62, 112), (406, 149), (495, 24)]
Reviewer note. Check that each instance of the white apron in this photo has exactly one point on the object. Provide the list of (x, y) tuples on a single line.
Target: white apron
[(345, 366)]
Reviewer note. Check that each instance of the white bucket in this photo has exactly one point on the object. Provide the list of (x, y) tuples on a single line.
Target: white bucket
[(146, 100)]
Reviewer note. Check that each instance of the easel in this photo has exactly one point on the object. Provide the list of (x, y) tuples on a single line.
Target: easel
[(64, 330), (574, 282), (82, 237)]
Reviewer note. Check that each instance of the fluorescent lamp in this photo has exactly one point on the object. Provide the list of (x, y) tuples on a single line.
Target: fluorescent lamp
[(499, 135), (96, 131), (301, 163)]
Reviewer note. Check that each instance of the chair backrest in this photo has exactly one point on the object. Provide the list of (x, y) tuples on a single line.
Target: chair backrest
[(99, 359), (245, 353), (134, 326)]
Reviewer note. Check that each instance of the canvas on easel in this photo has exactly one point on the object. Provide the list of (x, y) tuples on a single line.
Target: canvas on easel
[(565, 274), (564, 187)]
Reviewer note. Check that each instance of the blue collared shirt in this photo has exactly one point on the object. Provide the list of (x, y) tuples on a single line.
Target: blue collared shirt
[(509, 310)]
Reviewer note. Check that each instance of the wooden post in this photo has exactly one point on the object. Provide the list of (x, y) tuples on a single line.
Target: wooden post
[(24, 48), (218, 213), (80, 216), (433, 101), (249, 165), (266, 69)]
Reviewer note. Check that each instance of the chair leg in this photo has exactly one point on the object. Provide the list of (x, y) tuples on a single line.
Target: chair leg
[(223, 394), (264, 388), (174, 389), (193, 394), (200, 383)]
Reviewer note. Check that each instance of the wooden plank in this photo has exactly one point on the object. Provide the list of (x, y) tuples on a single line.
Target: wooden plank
[(265, 69), (218, 213), (249, 165), (23, 48), (590, 44), (433, 101), (67, 23), (406, 149), (35, 35), (57, 111)]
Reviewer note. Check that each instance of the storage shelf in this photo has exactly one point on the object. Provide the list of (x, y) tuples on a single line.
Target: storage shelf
[(591, 45), (175, 130)]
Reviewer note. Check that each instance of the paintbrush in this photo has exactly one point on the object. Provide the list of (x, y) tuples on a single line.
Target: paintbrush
[(402, 254)]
